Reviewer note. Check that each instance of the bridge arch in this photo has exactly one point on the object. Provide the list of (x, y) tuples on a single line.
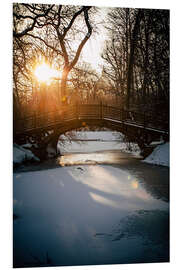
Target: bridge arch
[(133, 133), (138, 127)]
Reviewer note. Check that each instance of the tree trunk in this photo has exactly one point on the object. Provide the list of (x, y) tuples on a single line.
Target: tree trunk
[(63, 88), (131, 57)]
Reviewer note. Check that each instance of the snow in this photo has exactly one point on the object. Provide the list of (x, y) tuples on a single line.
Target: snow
[(27, 145), (99, 141), (77, 214), (156, 143), (97, 146), (159, 156), (20, 155), (94, 141), (96, 135), (101, 135), (91, 214)]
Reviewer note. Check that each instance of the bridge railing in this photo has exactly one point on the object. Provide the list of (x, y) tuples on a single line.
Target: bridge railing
[(89, 111)]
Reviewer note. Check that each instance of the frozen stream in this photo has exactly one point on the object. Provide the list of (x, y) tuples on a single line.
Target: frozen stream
[(108, 208)]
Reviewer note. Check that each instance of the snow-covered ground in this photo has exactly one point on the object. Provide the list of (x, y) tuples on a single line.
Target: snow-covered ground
[(20, 155), (93, 141), (108, 140), (97, 135), (93, 146), (105, 140), (92, 214), (160, 155)]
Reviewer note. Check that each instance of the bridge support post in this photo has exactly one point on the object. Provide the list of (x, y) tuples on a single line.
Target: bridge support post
[(51, 147), (51, 150)]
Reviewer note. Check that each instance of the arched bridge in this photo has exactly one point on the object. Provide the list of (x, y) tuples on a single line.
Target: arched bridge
[(135, 125)]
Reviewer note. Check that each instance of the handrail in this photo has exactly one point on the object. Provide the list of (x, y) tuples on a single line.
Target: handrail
[(89, 111)]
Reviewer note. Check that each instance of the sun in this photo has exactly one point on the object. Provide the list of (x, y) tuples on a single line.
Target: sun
[(44, 73)]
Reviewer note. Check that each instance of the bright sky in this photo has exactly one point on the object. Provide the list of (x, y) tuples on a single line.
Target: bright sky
[(92, 50)]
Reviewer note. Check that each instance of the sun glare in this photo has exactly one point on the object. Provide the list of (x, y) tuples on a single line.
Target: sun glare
[(45, 73)]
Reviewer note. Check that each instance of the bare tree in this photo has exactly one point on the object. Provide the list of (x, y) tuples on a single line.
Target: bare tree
[(62, 20), (133, 42), (84, 80), (137, 57), (117, 50)]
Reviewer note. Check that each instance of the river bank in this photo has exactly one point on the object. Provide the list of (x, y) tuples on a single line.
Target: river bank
[(90, 142)]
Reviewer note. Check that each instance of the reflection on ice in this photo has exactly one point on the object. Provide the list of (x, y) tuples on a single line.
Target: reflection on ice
[(91, 214), (134, 184), (81, 159), (103, 200), (103, 157), (113, 187)]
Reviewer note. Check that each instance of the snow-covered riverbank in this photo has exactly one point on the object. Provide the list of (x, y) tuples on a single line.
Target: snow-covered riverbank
[(21, 155), (89, 141), (160, 155), (93, 141)]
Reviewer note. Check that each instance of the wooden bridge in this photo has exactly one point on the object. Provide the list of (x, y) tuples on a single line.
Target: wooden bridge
[(79, 115)]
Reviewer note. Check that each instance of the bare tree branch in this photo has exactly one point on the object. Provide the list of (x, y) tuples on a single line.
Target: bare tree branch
[(48, 45), (31, 27), (83, 42)]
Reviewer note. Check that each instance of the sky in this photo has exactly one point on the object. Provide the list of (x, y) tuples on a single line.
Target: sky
[(94, 47)]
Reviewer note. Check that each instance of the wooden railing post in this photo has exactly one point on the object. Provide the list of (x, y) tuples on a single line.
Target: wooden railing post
[(91, 111), (101, 110), (123, 115), (77, 116), (35, 119), (144, 120)]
